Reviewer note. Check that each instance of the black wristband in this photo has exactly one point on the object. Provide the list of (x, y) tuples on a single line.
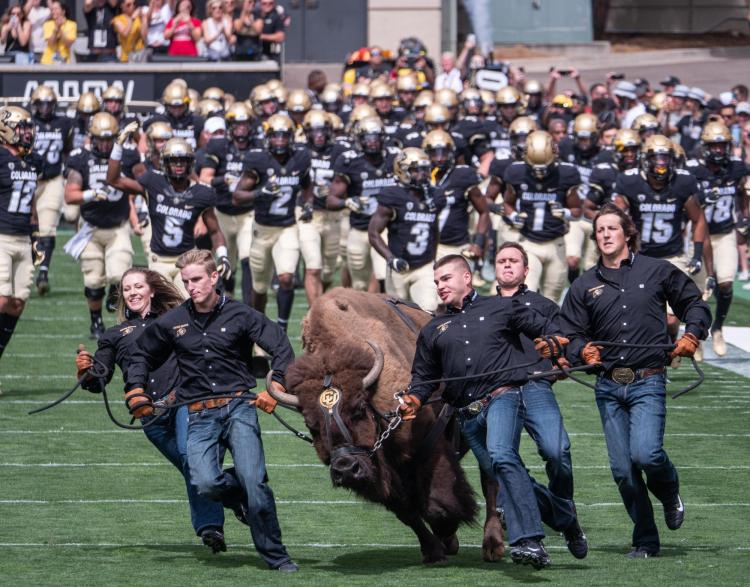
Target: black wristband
[(480, 240), (697, 251)]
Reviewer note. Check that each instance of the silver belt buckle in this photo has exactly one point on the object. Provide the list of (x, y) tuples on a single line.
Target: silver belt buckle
[(623, 375)]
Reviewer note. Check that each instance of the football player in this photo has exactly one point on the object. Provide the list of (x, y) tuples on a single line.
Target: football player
[(382, 97), (102, 244), (185, 124), (52, 143), (721, 195), (541, 198), (272, 180), (409, 211), (359, 175), (113, 101), (509, 104), (18, 178), (88, 104)]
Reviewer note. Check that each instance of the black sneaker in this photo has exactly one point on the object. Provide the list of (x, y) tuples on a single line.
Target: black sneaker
[(674, 513), (112, 298), (42, 282), (642, 552), (97, 329), (214, 539), (288, 567), (576, 541), (530, 552)]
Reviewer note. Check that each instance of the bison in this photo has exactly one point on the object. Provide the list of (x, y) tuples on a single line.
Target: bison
[(358, 353)]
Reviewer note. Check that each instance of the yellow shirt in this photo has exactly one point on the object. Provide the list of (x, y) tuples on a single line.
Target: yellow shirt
[(133, 41), (53, 48)]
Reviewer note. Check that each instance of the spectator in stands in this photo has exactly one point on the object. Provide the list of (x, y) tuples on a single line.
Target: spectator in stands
[(272, 34), (154, 19), (247, 29), (316, 83), (231, 8), (59, 34), (102, 38), (217, 32), (450, 77), (740, 92), (128, 28), (15, 34), (37, 16), (183, 31)]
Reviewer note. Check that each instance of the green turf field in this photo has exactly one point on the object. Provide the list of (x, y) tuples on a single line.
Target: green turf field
[(84, 503)]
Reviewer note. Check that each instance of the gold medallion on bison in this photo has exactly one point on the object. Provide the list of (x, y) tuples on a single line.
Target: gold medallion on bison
[(329, 397)]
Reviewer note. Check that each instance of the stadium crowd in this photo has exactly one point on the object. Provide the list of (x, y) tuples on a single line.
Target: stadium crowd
[(125, 31), (401, 177)]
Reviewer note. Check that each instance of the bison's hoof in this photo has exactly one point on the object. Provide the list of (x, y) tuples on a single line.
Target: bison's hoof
[(492, 551), (451, 545)]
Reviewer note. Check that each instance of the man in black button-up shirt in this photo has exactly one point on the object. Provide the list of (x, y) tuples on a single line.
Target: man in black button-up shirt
[(623, 300), (212, 338), (481, 334)]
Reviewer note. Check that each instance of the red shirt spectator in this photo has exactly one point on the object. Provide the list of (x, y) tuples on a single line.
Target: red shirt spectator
[(183, 31)]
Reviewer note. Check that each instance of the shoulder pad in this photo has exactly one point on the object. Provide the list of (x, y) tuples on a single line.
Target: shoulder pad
[(631, 171), (692, 163), (602, 166), (393, 150), (566, 164), (76, 152), (682, 172)]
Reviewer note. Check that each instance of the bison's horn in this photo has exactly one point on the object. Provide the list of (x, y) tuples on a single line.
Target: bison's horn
[(377, 367), (281, 396)]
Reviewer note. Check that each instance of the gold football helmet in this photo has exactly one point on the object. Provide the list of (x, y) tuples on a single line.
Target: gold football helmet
[(446, 97), (436, 115), (17, 129), (412, 167), (175, 95), (103, 128), (238, 112), (209, 107), (264, 100), (213, 93), (88, 103), (407, 83), (717, 143), (336, 123), (177, 158), (317, 127), (658, 157), (423, 99), (331, 97), (659, 101), (157, 134), (113, 93), (359, 113), (540, 153), (369, 135), (646, 125), (44, 102), (381, 90), (361, 90), (626, 143), (508, 96), (279, 131), (298, 101), (439, 147), (585, 125), (518, 130)]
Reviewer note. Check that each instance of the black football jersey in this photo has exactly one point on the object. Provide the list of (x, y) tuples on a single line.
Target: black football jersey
[(292, 176), (657, 215), (321, 171), (418, 132), (223, 156), (79, 132), (412, 230), (50, 142), (718, 192), (366, 180), (17, 186), (499, 138), (498, 167), (602, 183), (476, 134), (187, 127), (585, 164), (93, 171), (534, 196), (173, 214), (392, 120), (454, 188)]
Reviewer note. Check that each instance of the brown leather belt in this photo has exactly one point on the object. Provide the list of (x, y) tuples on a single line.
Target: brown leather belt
[(475, 408), (626, 375), (209, 404)]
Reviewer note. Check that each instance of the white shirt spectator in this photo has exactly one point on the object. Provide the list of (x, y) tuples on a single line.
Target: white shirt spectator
[(632, 114), (156, 24), (451, 76), (37, 15)]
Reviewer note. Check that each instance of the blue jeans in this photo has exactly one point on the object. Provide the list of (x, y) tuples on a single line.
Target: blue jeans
[(494, 436), (169, 435), (633, 417), (235, 427)]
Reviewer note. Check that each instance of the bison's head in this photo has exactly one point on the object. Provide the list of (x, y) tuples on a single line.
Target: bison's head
[(339, 413)]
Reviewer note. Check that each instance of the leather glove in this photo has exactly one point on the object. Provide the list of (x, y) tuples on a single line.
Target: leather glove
[(127, 132), (710, 287), (548, 350), (307, 212), (409, 406), (37, 253), (224, 268), (516, 220), (398, 265), (591, 354), (84, 361), (694, 266), (559, 211), (264, 401), (139, 403), (686, 346), (355, 204)]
